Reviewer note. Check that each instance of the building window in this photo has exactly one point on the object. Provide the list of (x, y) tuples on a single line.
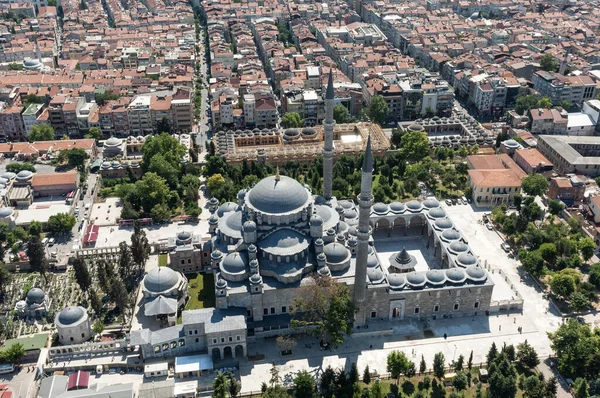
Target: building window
[(198, 340), (417, 310), (436, 308), (182, 261), (272, 310), (476, 305), (222, 339), (373, 314), (82, 335), (230, 339), (283, 309), (195, 331), (214, 341), (456, 306), (266, 311), (189, 260), (238, 338), (71, 338), (190, 332)]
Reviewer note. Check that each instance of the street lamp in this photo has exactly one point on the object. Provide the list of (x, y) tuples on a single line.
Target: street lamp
[(454, 356)]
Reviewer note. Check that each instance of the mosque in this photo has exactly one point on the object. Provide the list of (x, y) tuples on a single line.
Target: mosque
[(400, 260), (266, 245)]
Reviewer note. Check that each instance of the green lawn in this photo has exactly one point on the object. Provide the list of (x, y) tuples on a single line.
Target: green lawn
[(162, 260), (202, 291)]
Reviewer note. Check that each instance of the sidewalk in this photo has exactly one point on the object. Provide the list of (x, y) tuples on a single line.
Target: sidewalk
[(563, 389)]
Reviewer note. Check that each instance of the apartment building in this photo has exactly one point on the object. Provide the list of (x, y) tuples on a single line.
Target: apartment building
[(113, 118), (559, 88), (260, 110), (547, 121), (139, 116), (11, 123), (31, 116), (183, 111), (568, 189)]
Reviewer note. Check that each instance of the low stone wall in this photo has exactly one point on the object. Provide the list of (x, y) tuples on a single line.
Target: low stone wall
[(515, 304), (89, 349)]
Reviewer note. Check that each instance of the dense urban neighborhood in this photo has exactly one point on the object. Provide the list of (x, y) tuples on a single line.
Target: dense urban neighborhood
[(349, 199)]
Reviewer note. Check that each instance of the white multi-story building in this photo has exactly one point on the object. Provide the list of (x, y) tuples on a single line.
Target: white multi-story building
[(138, 114)]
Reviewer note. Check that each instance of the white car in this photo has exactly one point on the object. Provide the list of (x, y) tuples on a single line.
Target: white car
[(505, 246), (489, 226)]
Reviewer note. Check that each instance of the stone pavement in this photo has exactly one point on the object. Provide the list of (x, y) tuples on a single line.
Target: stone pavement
[(563, 388)]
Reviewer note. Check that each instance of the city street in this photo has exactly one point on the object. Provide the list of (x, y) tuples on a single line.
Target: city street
[(204, 122)]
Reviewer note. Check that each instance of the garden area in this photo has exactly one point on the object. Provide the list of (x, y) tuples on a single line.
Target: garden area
[(201, 291)]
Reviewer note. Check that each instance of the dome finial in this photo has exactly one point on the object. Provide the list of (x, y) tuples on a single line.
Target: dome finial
[(277, 176)]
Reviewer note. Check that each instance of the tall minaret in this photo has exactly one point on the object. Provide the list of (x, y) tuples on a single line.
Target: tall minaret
[(365, 201), (328, 150)]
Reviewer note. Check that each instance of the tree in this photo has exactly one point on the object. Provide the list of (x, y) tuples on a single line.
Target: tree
[(548, 63), (35, 228), (527, 356), (551, 388), (555, 206), (328, 306), (98, 326), (396, 138), (292, 120), (460, 381), (470, 362), (574, 345), (152, 190), (422, 365), (233, 386), (532, 262), (220, 386), (76, 158), (562, 284), (533, 386), (169, 147), (18, 166), (397, 363), (140, 248), (286, 344), (492, 354), (82, 274), (5, 278), (534, 185), (439, 361), (414, 145), (586, 247), (215, 182), (304, 385), (163, 126), (275, 378), (502, 379), (15, 353), (548, 252), (379, 109), (37, 256), (366, 376), (580, 387), (125, 265), (353, 374), (341, 114), (578, 301), (458, 366), (95, 301), (526, 102), (61, 223), (101, 98), (41, 132), (94, 133)]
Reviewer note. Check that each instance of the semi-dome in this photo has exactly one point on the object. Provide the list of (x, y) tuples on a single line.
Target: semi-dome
[(436, 212), (380, 208), (291, 132), (450, 235), (346, 204), (6, 212), (442, 223), (113, 141), (475, 273), (234, 263), (436, 277), (278, 194), (456, 275), (466, 260), (227, 207), (457, 247), (396, 281), (71, 315), (336, 253), (431, 203), (160, 279), (397, 207), (350, 213), (375, 275), (413, 206), (415, 279), (35, 296)]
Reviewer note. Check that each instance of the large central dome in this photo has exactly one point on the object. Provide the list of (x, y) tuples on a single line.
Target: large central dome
[(277, 195)]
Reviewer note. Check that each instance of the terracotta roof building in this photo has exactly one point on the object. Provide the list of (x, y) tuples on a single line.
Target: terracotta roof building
[(495, 179)]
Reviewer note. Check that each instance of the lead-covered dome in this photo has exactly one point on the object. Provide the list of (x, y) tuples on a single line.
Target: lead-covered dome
[(336, 253), (475, 273), (466, 260), (278, 194), (71, 315), (375, 275), (160, 279), (234, 263), (35, 296)]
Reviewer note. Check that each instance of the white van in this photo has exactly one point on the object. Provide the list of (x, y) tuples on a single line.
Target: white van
[(44, 241)]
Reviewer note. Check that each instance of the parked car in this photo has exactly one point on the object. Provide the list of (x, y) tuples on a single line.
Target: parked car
[(454, 201), (464, 200), (448, 202), (505, 246), (51, 241), (489, 226)]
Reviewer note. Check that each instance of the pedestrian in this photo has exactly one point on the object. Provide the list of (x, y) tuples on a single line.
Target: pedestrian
[(499, 327), (515, 320)]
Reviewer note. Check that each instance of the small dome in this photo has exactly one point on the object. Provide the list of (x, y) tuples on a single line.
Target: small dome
[(397, 207), (336, 253), (380, 208), (291, 132), (450, 234), (396, 281), (324, 271), (24, 175), (442, 223), (346, 204), (31, 63), (414, 206), (249, 226), (375, 275), (457, 247), (431, 203), (510, 144), (475, 273), (415, 127), (113, 141), (221, 283), (70, 315), (437, 212), (319, 242), (234, 263), (216, 255), (436, 276), (241, 194), (161, 279), (227, 207), (255, 279), (372, 261), (35, 296), (184, 236), (350, 213), (309, 131), (213, 219), (9, 175), (415, 279), (466, 259), (6, 212), (316, 221), (455, 275), (253, 264)]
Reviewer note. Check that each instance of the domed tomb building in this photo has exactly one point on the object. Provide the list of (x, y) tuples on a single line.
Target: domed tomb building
[(73, 325), (35, 304), (165, 292)]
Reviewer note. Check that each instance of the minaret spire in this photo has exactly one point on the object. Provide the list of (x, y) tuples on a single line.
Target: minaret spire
[(365, 201), (328, 150)]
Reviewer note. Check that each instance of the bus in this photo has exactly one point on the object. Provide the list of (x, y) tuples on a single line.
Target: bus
[(7, 368)]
